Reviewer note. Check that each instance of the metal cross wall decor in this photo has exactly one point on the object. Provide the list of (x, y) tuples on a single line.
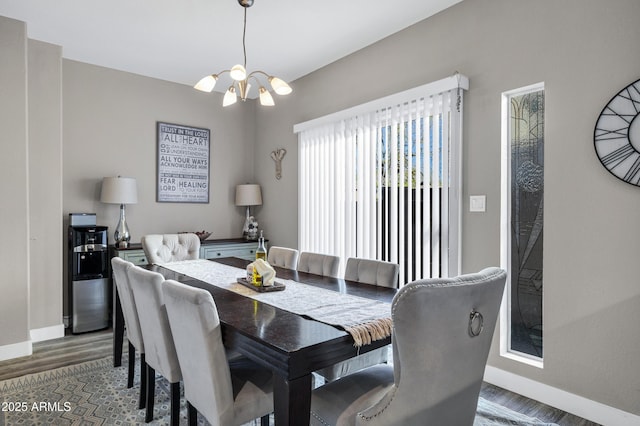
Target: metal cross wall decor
[(277, 156)]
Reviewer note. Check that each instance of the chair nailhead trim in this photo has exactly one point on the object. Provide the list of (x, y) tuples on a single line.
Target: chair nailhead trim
[(318, 418)]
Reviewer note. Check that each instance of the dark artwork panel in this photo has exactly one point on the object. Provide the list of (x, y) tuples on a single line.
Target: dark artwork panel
[(527, 196)]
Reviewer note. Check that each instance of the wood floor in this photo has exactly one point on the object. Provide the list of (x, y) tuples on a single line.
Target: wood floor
[(73, 349)]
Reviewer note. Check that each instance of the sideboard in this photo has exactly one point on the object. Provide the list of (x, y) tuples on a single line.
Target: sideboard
[(209, 249)]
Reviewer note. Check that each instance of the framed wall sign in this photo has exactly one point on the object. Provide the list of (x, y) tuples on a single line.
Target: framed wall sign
[(183, 164)]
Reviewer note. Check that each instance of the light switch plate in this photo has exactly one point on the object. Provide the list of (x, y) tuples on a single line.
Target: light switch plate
[(477, 203)]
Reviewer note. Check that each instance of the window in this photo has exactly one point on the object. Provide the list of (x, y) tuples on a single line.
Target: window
[(382, 181), (522, 221)]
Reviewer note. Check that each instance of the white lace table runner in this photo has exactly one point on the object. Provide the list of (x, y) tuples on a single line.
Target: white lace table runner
[(366, 320)]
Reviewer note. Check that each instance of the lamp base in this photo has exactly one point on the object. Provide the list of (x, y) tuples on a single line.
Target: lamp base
[(250, 229), (122, 235), (122, 244)]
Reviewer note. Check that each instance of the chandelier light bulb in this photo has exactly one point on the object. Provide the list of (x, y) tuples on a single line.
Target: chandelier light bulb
[(280, 86), (206, 84), (238, 73), (230, 97), (265, 97)]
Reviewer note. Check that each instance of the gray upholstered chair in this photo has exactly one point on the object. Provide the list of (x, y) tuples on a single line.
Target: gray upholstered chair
[(319, 264), (170, 247), (134, 335), (441, 340), (283, 257), (225, 392), (374, 272), (160, 352)]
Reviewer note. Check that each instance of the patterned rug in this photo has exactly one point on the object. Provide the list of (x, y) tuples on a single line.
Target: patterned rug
[(95, 393)]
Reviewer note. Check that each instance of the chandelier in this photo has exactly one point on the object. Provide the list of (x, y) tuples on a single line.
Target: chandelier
[(241, 86)]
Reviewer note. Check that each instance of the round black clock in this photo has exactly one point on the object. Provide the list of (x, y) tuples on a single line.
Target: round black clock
[(617, 135)]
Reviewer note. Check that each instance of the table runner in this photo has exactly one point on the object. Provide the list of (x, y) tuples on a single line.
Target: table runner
[(364, 319)]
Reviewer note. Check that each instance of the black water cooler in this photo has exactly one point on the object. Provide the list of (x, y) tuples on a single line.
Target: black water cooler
[(88, 274)]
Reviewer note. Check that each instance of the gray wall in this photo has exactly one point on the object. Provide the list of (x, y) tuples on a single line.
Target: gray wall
[(31, 172), (110, 129), (14, 253), (107, 120), (585, 51), (45, 185)]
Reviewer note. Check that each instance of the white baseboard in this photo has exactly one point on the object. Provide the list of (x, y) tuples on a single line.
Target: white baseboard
[(47, 333), (15, 350), (565, 401)]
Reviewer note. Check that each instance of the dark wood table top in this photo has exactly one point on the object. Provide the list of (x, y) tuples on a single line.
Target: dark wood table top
[(285, 332), (291, 345)]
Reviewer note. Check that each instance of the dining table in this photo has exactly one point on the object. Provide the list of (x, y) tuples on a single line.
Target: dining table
[(292, 345)]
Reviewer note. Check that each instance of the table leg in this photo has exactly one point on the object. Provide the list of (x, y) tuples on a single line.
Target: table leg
[(118, 329), (292, 400)]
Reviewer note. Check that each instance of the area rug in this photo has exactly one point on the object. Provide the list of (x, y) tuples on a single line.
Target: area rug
[(95, 393)]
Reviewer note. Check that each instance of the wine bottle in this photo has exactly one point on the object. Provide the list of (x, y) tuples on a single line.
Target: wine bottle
[(261, 253)]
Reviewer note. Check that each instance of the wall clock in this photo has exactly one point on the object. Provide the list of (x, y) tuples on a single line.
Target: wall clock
[(617, 135)]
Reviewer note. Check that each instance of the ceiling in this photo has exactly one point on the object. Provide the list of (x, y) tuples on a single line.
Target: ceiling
[(181, 41)]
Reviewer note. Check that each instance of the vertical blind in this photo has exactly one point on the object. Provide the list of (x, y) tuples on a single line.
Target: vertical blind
[(382, 181)]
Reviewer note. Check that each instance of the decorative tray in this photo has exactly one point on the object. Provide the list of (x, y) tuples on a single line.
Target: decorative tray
[(277, 286)]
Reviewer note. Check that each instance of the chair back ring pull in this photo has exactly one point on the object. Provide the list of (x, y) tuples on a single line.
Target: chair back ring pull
[(476, 323)]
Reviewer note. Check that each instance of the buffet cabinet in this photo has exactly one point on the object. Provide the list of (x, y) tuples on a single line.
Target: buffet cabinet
[(209, 249)]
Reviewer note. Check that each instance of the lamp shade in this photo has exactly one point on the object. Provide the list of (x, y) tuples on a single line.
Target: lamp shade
[(248, 195), (119, 190), (238, 73), (280, 86), (230, 97), (207, 83), (265, 97)]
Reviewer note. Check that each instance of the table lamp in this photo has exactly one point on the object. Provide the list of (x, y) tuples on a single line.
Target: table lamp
[(248, 195), (120, 190)]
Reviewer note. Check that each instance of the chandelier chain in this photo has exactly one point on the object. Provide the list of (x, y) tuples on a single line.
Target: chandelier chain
[(244, 35)]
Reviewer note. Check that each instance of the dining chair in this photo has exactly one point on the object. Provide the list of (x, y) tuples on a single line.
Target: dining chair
[(283, 257), (373, 272), (134, 335), (441, 339), (160, 350), (170, 247), (225, 392), (319, 264)]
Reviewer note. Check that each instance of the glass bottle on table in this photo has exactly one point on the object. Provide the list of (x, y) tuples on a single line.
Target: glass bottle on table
[(261, 253)]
